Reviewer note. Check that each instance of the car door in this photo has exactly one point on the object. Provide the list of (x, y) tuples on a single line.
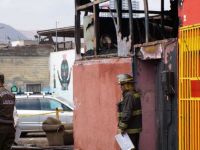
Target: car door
[(48, 107), (28, 110)]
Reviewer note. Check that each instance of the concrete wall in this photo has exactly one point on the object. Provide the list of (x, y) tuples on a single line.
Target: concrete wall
[(26, 65), (96, 94)]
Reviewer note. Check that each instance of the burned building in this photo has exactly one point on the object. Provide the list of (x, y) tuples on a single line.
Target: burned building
[(145, 47)]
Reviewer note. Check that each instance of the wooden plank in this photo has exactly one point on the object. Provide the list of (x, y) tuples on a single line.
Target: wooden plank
[(77, 29), (135, 11), (162, 17), (119, 14), (99, 1), (85, 6)]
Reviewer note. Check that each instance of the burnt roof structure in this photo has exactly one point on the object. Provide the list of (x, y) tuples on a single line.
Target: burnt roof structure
[(140, 30)]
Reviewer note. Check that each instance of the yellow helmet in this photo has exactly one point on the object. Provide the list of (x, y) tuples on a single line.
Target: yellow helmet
[(124, 78)]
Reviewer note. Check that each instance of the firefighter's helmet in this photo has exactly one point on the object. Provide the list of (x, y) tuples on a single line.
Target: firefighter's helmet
[(124, 78)]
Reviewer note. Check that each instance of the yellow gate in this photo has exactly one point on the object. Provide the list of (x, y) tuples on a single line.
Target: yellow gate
[(189, 88)]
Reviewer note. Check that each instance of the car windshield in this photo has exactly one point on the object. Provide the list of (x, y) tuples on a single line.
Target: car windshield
[(40, 103), (65, 101), (52, 104), (28, 104)]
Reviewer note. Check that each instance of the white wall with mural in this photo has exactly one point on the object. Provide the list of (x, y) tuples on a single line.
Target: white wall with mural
[(61, 77)]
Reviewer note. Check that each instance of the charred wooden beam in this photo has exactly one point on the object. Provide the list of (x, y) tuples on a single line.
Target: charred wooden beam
[(162, 16), (88, 5), (146, 9), (119, 14), (130, 22), (134, 11), (77, 29), (84, 7), (96, 28)]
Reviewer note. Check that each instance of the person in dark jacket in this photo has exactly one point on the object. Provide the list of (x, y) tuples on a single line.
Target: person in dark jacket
[(129, 109), (7, 130)]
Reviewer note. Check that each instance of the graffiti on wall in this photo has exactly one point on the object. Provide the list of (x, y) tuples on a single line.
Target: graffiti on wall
[(64, 78), (61, 75)]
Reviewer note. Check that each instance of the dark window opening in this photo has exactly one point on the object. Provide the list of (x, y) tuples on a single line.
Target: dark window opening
[(35, 88)]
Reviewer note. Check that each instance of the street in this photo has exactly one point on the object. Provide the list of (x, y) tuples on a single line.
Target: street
[(37, 142)]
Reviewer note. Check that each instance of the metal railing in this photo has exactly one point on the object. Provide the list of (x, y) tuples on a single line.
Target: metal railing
[(189, 88)]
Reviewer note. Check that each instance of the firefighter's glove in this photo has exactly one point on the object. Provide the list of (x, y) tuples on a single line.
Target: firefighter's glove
[(120, 131)]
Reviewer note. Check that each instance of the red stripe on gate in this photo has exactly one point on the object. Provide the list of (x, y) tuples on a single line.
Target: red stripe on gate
[(195, 88)]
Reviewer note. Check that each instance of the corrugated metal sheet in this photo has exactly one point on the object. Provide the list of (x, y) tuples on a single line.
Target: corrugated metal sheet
[(189, 99)]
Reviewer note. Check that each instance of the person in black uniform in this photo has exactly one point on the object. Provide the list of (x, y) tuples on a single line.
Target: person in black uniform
[(129, 109), (7, 130)]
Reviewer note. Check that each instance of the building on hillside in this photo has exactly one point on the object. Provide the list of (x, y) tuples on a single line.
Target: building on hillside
[(61, 38), (9, 34), (61, 61), (26, 67), (24, 43)]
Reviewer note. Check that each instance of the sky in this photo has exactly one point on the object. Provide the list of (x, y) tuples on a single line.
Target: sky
[(37, 14), (42, 14)]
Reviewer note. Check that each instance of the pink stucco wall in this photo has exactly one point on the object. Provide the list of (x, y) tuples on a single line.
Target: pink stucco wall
[(96, 94)]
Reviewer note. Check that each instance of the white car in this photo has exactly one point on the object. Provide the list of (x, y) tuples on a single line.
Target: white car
[(32, 110)]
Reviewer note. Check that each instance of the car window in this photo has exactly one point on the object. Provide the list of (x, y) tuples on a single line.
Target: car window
[(51, 104), (28, 104), (55, 104), (65, 108)]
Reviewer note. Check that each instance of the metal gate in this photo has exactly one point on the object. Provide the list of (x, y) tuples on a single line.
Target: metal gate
[(189, 88)]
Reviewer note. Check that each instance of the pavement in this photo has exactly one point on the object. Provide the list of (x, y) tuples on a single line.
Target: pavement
[(37, 143)]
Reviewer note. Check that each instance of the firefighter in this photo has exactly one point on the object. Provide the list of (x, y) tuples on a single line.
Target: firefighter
[(7, 130), (129, 109)]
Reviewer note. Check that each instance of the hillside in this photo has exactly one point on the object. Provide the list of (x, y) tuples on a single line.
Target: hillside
[(8, 33)]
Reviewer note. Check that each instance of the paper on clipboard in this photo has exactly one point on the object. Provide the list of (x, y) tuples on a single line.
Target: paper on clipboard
[(124, 141)]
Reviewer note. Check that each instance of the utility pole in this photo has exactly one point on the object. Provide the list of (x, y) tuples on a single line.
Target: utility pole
[(56, 37)]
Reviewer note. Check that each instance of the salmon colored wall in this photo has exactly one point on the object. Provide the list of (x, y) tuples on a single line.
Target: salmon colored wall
[(189, 12), (96, 94)]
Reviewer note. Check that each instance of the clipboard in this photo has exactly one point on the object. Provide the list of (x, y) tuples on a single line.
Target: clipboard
[(124, 141)]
